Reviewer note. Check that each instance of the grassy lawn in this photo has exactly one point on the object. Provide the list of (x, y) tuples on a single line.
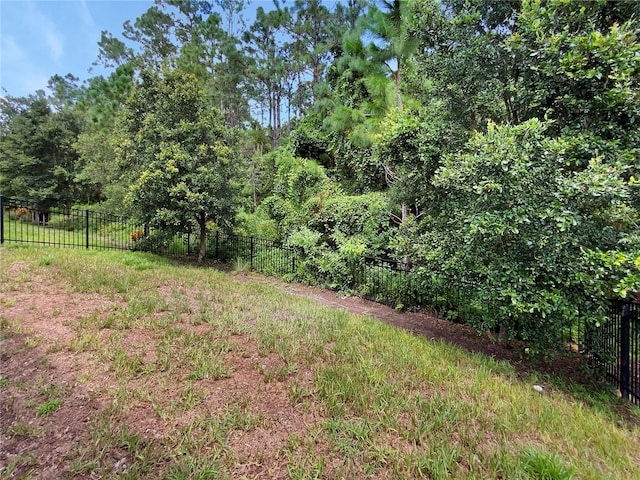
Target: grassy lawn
[(70, 231), (130, 365)]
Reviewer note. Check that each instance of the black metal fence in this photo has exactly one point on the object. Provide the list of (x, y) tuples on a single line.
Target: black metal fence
[(397, 284), (256, 254), (614, 345), (25, 222)]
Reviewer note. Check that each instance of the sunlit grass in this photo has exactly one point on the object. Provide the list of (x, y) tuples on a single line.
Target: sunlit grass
[(386, 403)]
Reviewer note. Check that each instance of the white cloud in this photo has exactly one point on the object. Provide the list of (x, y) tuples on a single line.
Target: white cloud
[(43, 27), (87, 19), (30, 44), (55, 43), (40, 38), (11, 51)]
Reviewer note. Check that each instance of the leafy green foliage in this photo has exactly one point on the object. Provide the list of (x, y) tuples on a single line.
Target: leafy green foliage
[(295, 182), (409, 147), (184, 153), (540, 209), (463, 60), (37, 160), (337, 231), (581, 67), (523, 224)]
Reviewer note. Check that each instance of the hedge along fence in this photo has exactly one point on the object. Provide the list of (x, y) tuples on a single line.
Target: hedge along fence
[(392, 283), (381, 280), (615, 344)]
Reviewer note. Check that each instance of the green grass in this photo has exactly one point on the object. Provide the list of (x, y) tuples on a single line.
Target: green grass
[(200, 364), (69, 231), (50, 406)]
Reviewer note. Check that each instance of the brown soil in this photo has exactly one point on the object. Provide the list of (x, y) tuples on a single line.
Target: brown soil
[(39, 360)]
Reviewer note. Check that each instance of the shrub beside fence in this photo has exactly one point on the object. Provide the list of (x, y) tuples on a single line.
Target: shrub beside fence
[(23, 221), (256, 254), (614, 345), (392, 283)]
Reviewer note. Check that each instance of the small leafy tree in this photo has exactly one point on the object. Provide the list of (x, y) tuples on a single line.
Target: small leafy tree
[(522, 225), (184, 155)]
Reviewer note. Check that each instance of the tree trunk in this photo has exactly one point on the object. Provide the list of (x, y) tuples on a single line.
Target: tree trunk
[(398, 86), (202, 223), (503, 333)]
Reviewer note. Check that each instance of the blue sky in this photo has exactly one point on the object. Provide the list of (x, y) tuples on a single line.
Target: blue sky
[(40, 38)]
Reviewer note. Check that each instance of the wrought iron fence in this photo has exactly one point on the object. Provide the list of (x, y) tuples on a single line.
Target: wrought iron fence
[(256, 254), (397, 284), (23, 221), (613, 345), (26, 222)]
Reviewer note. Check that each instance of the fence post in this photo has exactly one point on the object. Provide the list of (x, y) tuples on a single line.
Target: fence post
[(1, 219), (217, 238), (86, 226), (625, 341), (293, 262), (251, 245), (188, 244)]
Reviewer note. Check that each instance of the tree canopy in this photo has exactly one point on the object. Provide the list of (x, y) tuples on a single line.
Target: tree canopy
[(184, 156)]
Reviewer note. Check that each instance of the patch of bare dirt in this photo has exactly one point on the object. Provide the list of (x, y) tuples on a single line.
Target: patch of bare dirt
[(37, 366), (39, 362), (40, 444)]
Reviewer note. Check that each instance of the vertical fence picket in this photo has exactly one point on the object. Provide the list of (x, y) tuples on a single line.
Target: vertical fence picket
[(251, 246), (86, 226), (1, 219), (625, 351)]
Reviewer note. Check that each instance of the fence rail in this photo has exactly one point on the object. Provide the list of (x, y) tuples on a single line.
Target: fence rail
[(614, 345), (23, 221)]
